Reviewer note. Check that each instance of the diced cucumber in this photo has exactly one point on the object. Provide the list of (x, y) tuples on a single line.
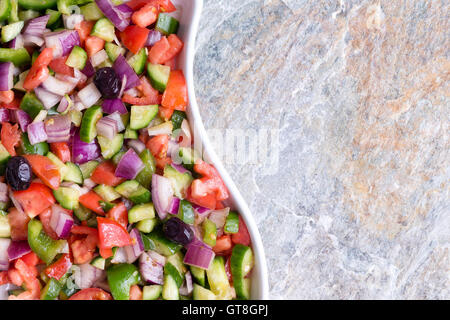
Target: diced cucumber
[(177, 119), (131, 134), (199, 275), (88, 130), (54, 17), (147, 225), (241, 264), (99, 263), (159, 76), (151, 292), (73, 174), (209, 232), (25, 15), (134, 191), (145, 176), (117, 157), (87, 168), (232, 223), (137, 62), (64, 6), (104, 29), (167, 24), (5, 9), (5, 228), (75, 117), (91, 12), (106, 192), (170, 288), (77, 58), (177, 260), (19, 57), (201, 293), (186, 212), (82, 213), (110, 147), (218, 280), (161, 244), (61, 166), (4, 157), (180, 181), (171, 270), (40, 148), (113, 51), (189, 156), (141, 116), (51, 290), (37, 4), (141, 212), (67, 197)]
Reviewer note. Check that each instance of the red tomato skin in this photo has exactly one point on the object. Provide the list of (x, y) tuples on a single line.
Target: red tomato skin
[(91, 201), (10, 136), (61, 150), (158, 145), (45, 169), (157, 52), (59, 66), (45, 217), (39, 71), (112, 234), (19, 224), (4, 278), (120, 214), (242, 236), (104, 174), (134, 38), (59, 268), (176, 95), (27, 199), (91, 294)]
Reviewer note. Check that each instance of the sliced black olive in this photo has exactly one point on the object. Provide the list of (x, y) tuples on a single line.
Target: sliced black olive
[(178, 231), (108, 82), (18, 173)]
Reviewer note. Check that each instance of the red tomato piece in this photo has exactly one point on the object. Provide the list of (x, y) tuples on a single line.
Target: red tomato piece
[(59, 268), (165, 113), (4, 277), (176, 45), (83, 249), (165, 5), (18, 222), (134, 38), (208, 200), (45, 217), (39, 71), (61, 150), (31, 259), (59, 66), (104, 174), (146, 16), (120, 214), (28, 199), (158, 145), (135, 292), (242, 236), (14, 105), (106, 253), (93, 45), (211, 181), (6, 96), (91, 294), (223, 245), (144, 101), (91, 201), (159, 49), (84, 29), (176, 95), (10, 136), (45, 169), (112, 234)]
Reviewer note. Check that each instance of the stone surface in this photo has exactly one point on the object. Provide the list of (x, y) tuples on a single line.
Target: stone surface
[(356, 203)]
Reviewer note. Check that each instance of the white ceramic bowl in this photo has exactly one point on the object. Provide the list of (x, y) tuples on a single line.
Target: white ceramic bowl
[(189, 12)]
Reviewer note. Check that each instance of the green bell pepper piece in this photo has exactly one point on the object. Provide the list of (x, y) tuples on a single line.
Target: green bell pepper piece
[(177, 119), (186, 212), (38, 148), (120, 278), (45, 247), (31, 104), (232, 223), (209, 232), (51, 290), (145, 176), (19, 57)]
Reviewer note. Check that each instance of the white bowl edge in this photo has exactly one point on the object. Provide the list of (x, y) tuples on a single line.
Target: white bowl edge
[(189, 16)]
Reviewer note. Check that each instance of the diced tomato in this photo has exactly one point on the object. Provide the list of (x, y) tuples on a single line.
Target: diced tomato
[(18, 222), (83, 230), (112, 234), (158, 145), (91, 294), (33, 291), (10, 136), (14, 105), (4, 277), (59, 66), (6, 96), (172, 63), (27, 272), (59, 268), (91, 201), (135, 292), (134, 38), (146, 16), (120, 214), (93, 45), (45, 217), (15, 277), (223, 245), (176, 45), (39, 71), (161, 163), (147, 89), (219, 205), (143, 136), (165, 5), (84, 29), (45, 169), (176, 95), (242, 236), (106, 253), (104, 174), (165, 113), (208, 200), (157, 52), (35, 199), (31, 259), (61, 150), (83, 249), (211, 181), (144, 101)]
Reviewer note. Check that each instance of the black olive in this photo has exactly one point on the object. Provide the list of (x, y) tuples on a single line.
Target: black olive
[(108, 82), (178, 231), (18, 173)]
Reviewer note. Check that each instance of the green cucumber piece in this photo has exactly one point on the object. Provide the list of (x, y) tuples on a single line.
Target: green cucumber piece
[(199, 275), (209, 232), (5, 228), (232, 223), (106, 192), (19, 57), (88, 130), (54, 17), (73, 174), (218, 280), (151, 292), (201, 293), (67, 197), (77, 58), (110, 147), (137, 62), (104, 29), (159, 76), (177, 260), (37, 4), (161, 244), (82, 213), (76, 117), (170, 288), (189, 156), (172, 271), (25, 15), (99, 263), (14, 13), (186, 212), (61, 166), (64, 5), (113, 51), (180, 181), (145, 176), (134, 191), (167, 24), (31, 104), (4, 157), (91, 12), (40, 148), (141, 116), (241, 263), (87, 168), (177, 119), (147, 225), (131, 134), (51, 290), (141, 212), (5, 9), (117, 157)]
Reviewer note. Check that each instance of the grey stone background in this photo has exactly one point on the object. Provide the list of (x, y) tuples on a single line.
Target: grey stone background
[(358, 206)]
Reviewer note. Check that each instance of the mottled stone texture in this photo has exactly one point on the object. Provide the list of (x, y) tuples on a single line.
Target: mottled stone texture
[(359, 90)]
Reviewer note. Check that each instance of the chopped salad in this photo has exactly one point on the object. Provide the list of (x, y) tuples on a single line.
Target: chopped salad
[(102, 195)]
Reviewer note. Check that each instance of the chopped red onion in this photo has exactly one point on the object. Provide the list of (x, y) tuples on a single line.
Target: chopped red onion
[(174, 206), (36, 26), (62, 42), (6, 288), (22, 118), (60, 222), (120, 256), (187, 287), (64, 104), (98, 58), (114, 105), (88, 69), (185, 135), (86, 275), (36, 132), (123, 69), (153, 37), (107, 128), (137, 248), (57, 86), (18, 249), (89, 184), (201, 210), (4, 258), (150, 270), (129, 165), (125, 10), (4, 192), (83, 152), (70, 21), (16, 203), (6, 76), (159, 259), (16, 43), (80, 76), (162, 193), (118, 119), (47, 98), (136, 145), (180, 168), (4, 115), (31, 40), (219, 217), (198, 256), (58, 128), (118, 16), (89, 95)]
